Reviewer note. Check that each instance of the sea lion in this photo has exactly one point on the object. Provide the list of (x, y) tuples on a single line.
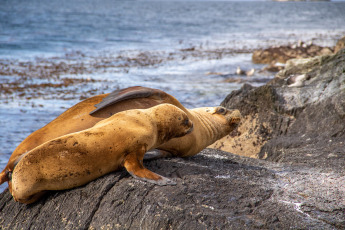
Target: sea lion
[(77, 158), (210, 123), (207, 122), (78, 118)]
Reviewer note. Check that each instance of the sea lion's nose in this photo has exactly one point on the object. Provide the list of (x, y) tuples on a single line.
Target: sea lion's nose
[(191, 128)]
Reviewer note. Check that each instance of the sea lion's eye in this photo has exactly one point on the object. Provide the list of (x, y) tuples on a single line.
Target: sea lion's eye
[(221, 111)]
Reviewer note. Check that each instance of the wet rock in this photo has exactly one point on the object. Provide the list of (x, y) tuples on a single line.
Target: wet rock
[(284, 53), (273, 67)]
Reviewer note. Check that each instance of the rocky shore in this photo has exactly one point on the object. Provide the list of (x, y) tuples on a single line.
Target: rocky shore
[(290, 175), (64, 77), (284, 53), (272, 56)]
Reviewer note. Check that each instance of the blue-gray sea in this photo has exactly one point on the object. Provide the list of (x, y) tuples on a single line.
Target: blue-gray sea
[(187, 48)]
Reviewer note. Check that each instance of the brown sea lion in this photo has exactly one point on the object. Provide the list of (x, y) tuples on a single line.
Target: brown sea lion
[(208, 122), (77, 158), (78, 118)]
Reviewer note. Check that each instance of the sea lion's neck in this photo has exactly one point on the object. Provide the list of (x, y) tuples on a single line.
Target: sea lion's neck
[(210, 129)]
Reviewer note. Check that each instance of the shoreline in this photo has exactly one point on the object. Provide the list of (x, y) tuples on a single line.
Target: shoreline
[(297, 182), (29, 86), (24, 79)]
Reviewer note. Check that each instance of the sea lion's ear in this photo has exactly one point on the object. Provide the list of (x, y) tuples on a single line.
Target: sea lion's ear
[(9, 175)]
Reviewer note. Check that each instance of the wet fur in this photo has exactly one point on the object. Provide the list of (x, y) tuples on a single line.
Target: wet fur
[(84, 115), (78, 158)]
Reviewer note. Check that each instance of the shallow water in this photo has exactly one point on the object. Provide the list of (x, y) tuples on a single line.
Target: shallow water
[(55, 53)]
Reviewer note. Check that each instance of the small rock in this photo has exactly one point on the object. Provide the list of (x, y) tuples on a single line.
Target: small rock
[(340, 45)]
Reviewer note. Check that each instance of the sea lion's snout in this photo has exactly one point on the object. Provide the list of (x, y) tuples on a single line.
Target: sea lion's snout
[(236, 116), (30, 199), (233, 117), (228, 117), (186, 122), (236, 120), (190, 124)]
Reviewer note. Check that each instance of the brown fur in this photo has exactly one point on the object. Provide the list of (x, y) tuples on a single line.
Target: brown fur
[(75, 159), (209, 125)]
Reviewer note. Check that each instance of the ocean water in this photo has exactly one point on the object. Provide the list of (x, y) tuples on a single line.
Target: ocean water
[(187, 48)]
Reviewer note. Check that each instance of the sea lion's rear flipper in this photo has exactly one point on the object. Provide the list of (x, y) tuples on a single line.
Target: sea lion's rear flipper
[(134, 165), (132, 93), (6, 174), (3, 177)]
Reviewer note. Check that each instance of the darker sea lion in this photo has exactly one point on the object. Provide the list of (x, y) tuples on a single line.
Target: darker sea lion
[(210, 124), (77, 158)]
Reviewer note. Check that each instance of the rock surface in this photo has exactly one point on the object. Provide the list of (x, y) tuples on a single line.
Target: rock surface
[(297, 130), (340, 45), (301, 125), (215, 190), (312, 111), (284, 53)]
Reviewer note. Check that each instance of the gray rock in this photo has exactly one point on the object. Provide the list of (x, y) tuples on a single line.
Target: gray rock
[(304, 128), (215, 190), (289, 116)]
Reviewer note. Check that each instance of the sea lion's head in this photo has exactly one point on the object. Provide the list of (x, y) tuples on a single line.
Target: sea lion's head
[(172, 121), (231, 117), (31, 199)]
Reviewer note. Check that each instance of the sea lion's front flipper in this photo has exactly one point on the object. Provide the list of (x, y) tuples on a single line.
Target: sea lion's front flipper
[(130, 93), (134, 165)]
